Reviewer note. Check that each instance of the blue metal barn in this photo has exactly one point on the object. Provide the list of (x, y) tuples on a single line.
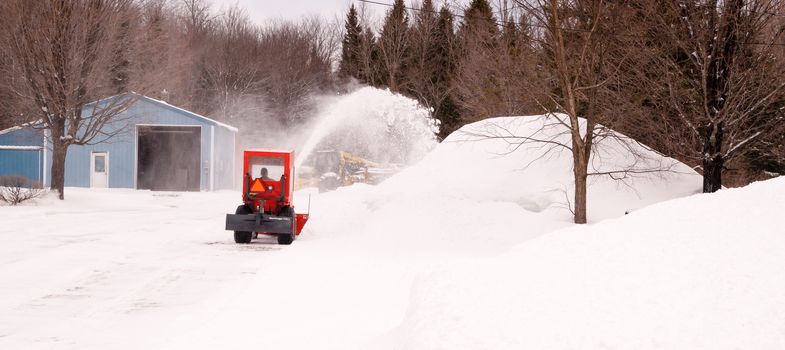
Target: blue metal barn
[(159, 147)]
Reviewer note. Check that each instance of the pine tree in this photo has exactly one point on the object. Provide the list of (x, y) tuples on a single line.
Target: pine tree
[(120, 70), (421, 44), (479, 23), (154, 49), (350, 50), (369, 59), (478, 82), (443, 59), (511, 36), (393, 45)]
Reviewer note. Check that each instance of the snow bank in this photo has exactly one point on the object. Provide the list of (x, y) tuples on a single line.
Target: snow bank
[(703, 272), (474, 164), (478, 196)]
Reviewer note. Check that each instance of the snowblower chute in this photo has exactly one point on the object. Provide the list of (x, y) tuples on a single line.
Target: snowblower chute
[(268, 181)]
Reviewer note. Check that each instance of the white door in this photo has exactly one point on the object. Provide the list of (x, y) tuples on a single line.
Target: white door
[(99, 170)]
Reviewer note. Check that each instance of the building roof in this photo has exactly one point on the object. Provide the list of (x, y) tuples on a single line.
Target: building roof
[(185, 111), (151, 100), (19, 127), (13, 128)]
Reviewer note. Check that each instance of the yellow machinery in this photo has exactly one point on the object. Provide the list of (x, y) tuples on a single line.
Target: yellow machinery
[(330, 169)]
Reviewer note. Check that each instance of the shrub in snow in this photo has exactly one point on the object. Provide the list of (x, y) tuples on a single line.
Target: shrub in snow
[(18, 189)]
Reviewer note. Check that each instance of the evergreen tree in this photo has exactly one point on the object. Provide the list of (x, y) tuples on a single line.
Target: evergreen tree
[(393, 45), (510, 37), (350, 50), (369, 59), (426, 17), (154, 48), (120, 70), (443, 59), (479, 22), (422, 43), (478, 83)]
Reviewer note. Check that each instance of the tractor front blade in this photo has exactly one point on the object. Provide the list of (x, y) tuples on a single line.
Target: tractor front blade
[(259, 223)]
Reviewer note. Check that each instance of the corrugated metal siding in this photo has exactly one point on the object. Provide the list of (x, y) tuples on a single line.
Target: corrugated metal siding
[(122, 147), (25, 163), (121, 156), (23, 137), (224, 159), (22, 162), (121, 164)]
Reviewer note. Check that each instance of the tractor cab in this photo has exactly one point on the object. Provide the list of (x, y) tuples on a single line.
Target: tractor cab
[(268, 182), (266, 175)]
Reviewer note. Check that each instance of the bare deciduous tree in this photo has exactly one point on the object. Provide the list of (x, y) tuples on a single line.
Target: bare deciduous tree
[(63, 52), (716, 79), (580, 39), (232, 68)]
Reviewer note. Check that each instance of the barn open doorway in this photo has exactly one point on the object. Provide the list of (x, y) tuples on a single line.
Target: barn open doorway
[(168, 158)]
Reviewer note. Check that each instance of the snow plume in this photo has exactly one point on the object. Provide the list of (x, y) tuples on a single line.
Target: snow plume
[(377, 124), (261, 126)]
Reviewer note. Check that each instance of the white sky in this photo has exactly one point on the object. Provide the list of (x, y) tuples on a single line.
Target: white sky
[(263, 10)]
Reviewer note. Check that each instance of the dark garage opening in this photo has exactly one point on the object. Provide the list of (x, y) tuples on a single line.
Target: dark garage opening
[(168, 158)]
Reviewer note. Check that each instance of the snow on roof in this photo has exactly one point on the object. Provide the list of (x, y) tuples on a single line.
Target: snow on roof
[(19, 127), (20, 148), (11, 129), (268, 150)]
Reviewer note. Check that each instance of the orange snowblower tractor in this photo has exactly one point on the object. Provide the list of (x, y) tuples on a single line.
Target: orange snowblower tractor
[(268, 183)]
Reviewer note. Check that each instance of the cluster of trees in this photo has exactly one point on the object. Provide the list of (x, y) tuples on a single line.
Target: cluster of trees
[(220, 65), (702, 81), (58, 56), (465, 66)]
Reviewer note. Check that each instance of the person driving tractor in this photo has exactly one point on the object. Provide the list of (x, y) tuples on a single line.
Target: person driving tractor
[(267, 206), (264, 175)]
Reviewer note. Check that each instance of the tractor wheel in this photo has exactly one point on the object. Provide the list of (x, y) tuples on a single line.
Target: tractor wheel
[(243, 237), (288, 238)]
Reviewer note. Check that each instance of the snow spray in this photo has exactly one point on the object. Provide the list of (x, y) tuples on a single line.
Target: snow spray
[(377, 124)]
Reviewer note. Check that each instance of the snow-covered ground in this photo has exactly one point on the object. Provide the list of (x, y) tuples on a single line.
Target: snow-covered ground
[(467, 249), (704, 272)]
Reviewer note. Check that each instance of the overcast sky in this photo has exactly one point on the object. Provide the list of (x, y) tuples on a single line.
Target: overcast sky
[(262, 10)]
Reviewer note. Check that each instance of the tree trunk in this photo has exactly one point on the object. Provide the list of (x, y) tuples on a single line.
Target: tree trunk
[(713, 161), (712, 174), (59, 149), (392, 84), (580, 173)]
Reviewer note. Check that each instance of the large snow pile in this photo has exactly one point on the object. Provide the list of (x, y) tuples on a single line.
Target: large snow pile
[(704, 272), (474, 163)]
